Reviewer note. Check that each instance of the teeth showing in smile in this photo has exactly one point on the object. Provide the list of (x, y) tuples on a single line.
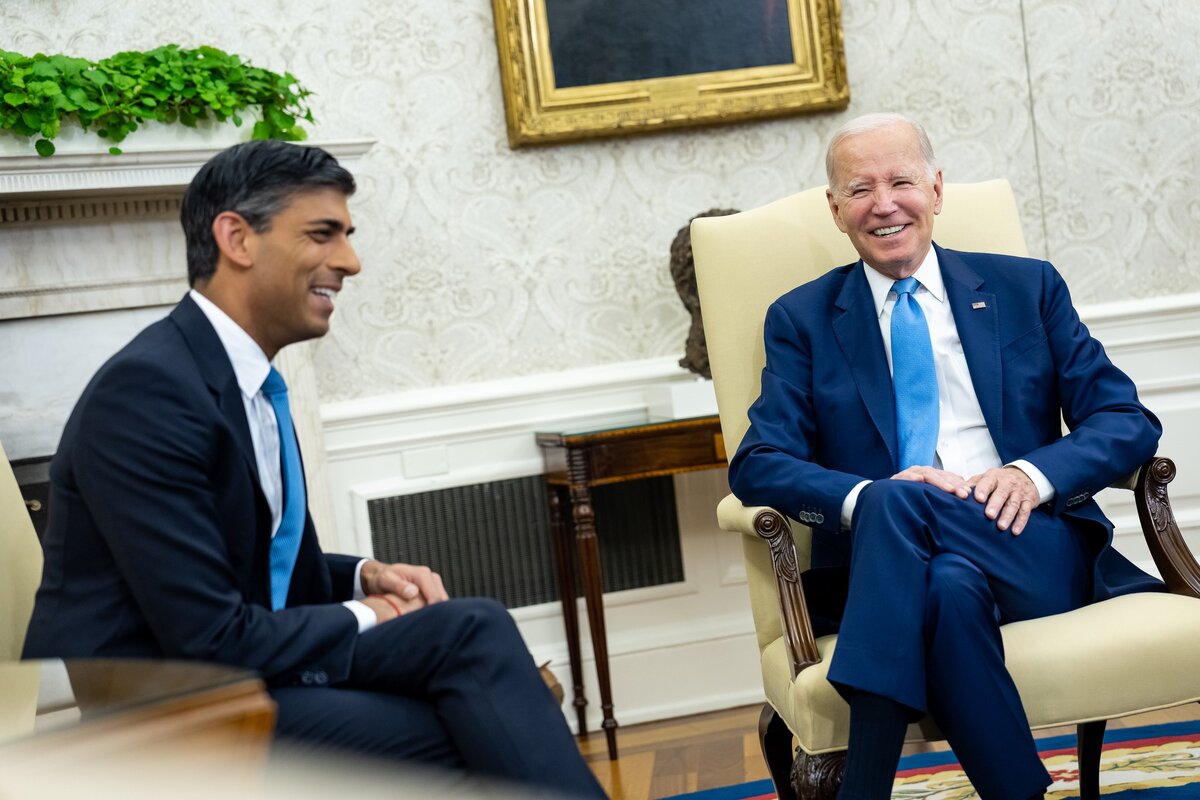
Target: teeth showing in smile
[(887, 231), (330, 293)]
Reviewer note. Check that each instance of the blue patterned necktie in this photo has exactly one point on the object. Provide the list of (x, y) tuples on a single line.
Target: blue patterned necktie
[(285, 545), (914, 379)]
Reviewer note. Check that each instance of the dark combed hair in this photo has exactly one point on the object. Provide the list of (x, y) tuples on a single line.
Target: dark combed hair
[(256, 180)]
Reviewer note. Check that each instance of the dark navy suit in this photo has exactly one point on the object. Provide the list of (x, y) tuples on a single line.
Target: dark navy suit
[(157, 546), (918, 556)]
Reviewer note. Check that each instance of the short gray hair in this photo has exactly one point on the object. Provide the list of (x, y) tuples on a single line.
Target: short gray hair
[(873, 122)]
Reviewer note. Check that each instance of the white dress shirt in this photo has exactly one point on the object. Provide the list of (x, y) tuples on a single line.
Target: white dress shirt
[(251, 367), (964, 446)]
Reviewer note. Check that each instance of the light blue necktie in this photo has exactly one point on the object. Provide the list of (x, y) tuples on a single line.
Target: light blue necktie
[(914, 379), (285, 546)]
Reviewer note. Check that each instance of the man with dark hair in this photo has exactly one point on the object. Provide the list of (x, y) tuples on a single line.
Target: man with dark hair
[(911, 412), (179, 525)]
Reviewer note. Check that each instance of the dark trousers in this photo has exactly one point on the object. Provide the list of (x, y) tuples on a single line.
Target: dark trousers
[(452, 685), (931, 581)]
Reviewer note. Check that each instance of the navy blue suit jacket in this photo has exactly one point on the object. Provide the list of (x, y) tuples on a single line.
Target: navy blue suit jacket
[(826, 420), (158, 538)]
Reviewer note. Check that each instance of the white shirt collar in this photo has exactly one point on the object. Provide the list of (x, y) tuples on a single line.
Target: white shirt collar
[(929, 275), (250, 364)]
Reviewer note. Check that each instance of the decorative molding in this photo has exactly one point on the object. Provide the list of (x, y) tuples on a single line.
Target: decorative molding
[(132, 283), (504, 392), (80, 210), (75, 298), (1146, 326), (66, 177), (1139, 311)]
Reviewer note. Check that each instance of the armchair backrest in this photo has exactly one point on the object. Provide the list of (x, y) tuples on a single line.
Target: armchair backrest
[(20, 564), (745, 261)]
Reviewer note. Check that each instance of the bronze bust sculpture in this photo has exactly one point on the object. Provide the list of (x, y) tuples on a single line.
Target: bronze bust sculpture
[(683, 271)]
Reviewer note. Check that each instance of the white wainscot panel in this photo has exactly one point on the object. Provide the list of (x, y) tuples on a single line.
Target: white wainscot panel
[(1157, 342)]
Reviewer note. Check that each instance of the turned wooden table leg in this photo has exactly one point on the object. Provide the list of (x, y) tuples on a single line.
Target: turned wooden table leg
[(564, 566), (583, 518)]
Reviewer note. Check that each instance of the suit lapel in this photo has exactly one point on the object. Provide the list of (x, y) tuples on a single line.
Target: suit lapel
[(857, 331), (977, 318), (214, 366)]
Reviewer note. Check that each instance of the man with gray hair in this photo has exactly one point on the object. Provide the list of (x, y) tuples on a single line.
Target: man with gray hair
[(910, 409)]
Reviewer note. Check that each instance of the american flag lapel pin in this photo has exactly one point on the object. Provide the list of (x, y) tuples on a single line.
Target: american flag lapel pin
[(979, 305)]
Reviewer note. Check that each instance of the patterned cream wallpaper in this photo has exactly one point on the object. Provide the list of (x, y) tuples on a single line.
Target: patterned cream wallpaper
[(1116, 96), (482, 262)]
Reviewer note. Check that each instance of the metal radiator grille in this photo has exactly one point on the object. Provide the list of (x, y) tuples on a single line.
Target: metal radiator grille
[(493, 539)]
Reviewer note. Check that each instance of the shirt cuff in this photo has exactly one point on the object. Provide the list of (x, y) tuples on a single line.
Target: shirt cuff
[(849, 503), (364, 614), (359, 594), (1044, 488)]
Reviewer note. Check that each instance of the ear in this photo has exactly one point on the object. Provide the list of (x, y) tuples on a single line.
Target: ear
[(937, 192), (234, 239), (834, 209)]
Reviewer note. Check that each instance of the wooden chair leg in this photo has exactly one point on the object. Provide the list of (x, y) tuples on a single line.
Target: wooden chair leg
[(776, 741), (1089, 738), (818, 777)]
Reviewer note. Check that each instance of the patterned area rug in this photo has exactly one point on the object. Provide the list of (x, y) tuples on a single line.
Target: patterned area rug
[(1155, 762)]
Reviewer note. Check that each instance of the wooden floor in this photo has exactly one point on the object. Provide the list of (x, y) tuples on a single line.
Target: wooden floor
[(659, 759)]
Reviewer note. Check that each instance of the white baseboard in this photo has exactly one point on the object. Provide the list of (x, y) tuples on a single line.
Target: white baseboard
[(665, 681)]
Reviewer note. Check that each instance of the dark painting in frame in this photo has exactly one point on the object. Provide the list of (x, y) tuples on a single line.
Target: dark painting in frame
[(578, 69)]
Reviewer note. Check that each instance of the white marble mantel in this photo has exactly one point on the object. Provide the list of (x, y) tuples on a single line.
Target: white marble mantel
[(99, 175), (85, 191)]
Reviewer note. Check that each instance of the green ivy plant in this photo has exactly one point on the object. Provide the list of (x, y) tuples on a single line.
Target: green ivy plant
[(169, 84)]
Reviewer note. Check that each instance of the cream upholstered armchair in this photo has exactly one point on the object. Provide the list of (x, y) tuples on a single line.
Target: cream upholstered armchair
[(20, 564), (20, 573), (1122, 656)]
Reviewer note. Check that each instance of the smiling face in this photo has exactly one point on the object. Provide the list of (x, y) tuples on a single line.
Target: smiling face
[(298, 265), (884, 199)]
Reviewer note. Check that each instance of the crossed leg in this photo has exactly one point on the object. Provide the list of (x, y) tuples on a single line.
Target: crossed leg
[(931, 580), (452, 685)]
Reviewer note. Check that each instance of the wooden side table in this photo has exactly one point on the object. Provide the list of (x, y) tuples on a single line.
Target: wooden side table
[(135, 729), (575, 463)]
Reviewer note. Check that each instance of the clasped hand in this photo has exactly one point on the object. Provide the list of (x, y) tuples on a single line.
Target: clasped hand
[(396, 589), (1007, 492)]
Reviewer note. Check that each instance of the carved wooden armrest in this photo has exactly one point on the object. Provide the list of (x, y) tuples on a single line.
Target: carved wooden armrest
[(772, 527), (1174, 560)]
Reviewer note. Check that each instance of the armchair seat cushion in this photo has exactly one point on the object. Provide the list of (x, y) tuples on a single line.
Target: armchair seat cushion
[(1135, 653)]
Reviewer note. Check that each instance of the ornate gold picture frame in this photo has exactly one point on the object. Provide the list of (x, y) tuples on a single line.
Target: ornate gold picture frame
[(621, 70)]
